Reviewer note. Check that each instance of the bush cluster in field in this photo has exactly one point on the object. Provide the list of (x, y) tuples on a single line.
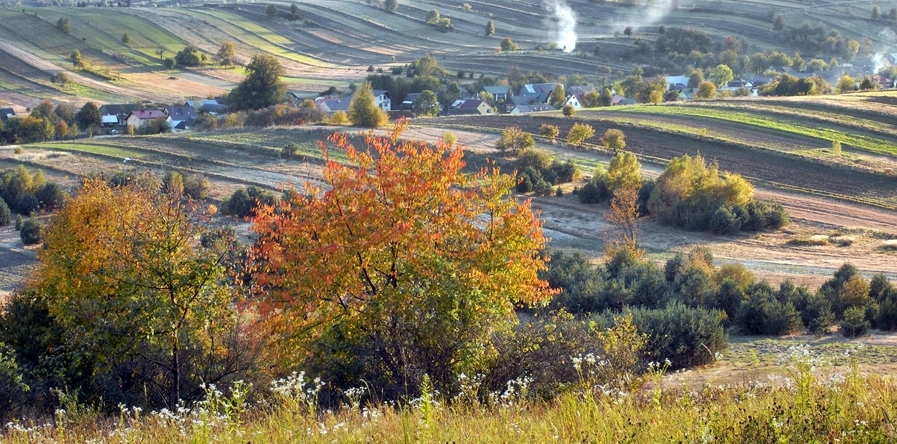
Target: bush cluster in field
[(719, 297)]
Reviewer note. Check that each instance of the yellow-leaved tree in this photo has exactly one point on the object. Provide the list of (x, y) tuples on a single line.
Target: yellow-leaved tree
[(129, 273), (404, 252)]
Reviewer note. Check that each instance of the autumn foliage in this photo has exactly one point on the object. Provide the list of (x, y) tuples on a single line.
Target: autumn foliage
[(404, 250)]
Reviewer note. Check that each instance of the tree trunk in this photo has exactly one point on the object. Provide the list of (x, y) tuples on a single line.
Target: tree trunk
[(174, 393)]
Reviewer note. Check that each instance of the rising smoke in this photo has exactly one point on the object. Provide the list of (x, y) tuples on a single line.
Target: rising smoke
[(562, 23)]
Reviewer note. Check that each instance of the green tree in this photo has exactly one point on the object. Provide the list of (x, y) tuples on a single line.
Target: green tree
[(426, 105), (514, 140), (126, 39), (390, 5), (624, 172), (706, 90), (294, 10), (63, 25), (130, 254), (655, 96), (591, 99), (271, 10), (432, 17), (189, 56), (558, 96), (394, 250), (579, 133), (549, 131), (490, 28), (89, 116), (614, 140), (363, 111), (607, 97), (876, 12), (75, 57), (628, 31), (778, 23), (721, 75), (262, 88)]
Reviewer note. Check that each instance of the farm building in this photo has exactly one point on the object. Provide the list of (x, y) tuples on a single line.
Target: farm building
[(138, 118), (525, 109), (500, 93), (469, 106)]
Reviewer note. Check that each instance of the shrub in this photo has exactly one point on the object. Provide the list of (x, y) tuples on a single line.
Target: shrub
[(530, 179), (566, 171), (579, 133), (549, 131), (27, 204), (724, 221), (593, 192), (30, 232), (515, 140), (887, 315), (568, 110), (50, 196), (817, 314), (244, 201), (4, 213), (339, 118), (686, 336), (18, 220), (291, 149), (763, 312), (197, 187), (173, 183), (854, 323), (536, 159)]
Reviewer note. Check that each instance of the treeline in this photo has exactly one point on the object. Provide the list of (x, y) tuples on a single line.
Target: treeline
[(687, 303)]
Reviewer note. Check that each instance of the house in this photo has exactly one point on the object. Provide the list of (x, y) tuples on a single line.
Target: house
[(109, 121), (676, 82), (330, 106), (6, 113), (138, 118), (382, 99), (469, 106), (525, 109), (735, 85), (118, 111), (620, 100), (575, 100), (178, 125), (891, 58), (500, 93), (409, 100), (184, 113), (539, 92), (298, 98)]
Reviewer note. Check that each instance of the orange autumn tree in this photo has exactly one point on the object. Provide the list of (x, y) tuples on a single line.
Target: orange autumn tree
[(403, 251), (130, 276)]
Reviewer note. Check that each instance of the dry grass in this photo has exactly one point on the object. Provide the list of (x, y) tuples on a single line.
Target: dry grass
[(889, 245)]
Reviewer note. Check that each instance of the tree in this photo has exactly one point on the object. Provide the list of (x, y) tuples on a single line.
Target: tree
[(126, 39), (892, 15), (591, 99), (624, 172), (706, 90), (614, 140), (263, 86), (655, 96), (778, 23), (62, 129), (30, 232), (75, 57), (390, 5), (549, 131), (63, 25), (432, 17), (515, 140), (394, 249), (89, 115), (876, 13), (426, 105), (130, 254), (271, 10), (363, 111), (628, 31), (168, 63), (294, 10), (227, 52), (579, 133), (721, 75), (339, 118), (846, 83), (607, 97), (189, 56), (623, 217), (558, 96), (507, 44), (490, 28), (568, 110)]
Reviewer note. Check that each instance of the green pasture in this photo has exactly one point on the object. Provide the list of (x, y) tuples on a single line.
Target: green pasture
[(761, 121), (88, 148)]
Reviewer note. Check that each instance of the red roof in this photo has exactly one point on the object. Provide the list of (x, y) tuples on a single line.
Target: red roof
[(148, 114)]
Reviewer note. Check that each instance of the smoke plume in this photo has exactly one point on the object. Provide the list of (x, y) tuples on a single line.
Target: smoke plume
[(563, 24)]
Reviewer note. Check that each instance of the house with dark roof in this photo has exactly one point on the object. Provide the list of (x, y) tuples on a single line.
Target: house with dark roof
[(138, 118), (539, 92), (469, 106), (330, 106), (409, 100), (117, 113), (6, 113), (184, 113)]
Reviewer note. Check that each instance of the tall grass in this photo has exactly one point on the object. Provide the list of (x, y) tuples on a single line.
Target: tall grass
[(813, 403)]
